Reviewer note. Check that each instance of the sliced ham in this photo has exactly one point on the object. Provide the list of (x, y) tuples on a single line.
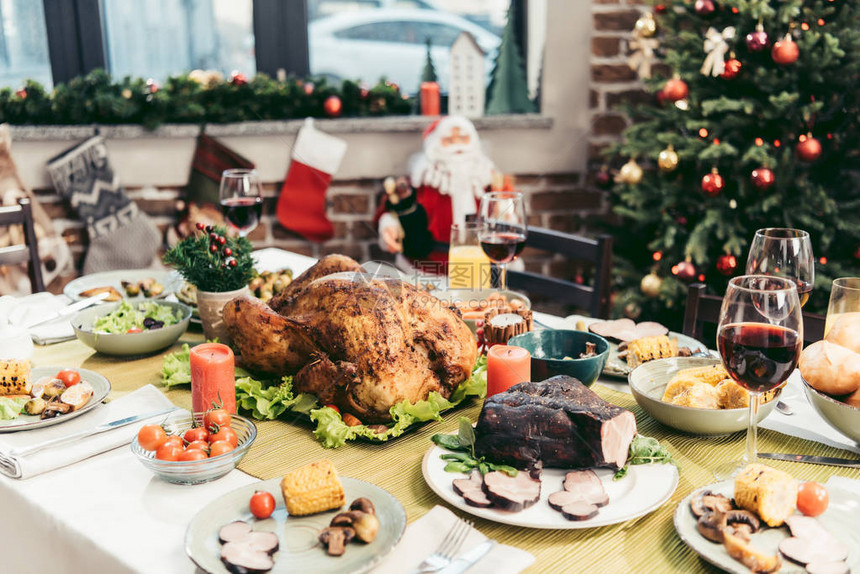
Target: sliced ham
[(828, 567), (811, 542), (512, 493), (234, 531), (240, 558), (472, 490), (559, 499), (626, 330), (579, 510), (478, 499), (586, 484)]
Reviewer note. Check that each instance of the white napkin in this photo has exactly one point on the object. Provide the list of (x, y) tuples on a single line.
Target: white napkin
[(423, 536), (147, 399), (39, 306)]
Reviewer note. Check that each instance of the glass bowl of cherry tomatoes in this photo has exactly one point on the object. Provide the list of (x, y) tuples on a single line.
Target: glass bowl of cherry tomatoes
[(194, 448)]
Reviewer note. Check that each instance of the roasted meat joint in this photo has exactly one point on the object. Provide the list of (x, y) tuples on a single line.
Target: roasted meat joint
[(358, 342)]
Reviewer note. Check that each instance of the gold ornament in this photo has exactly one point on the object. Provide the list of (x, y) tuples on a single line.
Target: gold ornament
[(668, 159), (646, 26), (126, 93), (650, 285), (630, 173)]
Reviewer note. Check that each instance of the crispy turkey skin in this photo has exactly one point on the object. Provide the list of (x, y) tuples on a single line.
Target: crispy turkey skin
[(360, 343)]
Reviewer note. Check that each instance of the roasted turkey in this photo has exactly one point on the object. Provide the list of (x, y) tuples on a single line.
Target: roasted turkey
[(360, 343)]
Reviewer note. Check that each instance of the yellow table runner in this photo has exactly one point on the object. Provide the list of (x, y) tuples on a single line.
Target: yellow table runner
[(648, 544)]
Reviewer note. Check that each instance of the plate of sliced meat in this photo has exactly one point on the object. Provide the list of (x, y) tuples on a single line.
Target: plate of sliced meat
[(553, 498)]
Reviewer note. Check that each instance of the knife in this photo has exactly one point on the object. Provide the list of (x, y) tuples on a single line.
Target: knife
[(69, 310), (812, 459), (467, 559), (104, 427)]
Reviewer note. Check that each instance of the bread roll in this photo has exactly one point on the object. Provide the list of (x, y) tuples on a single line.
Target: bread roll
[(845, 331), (854, 399), (830, 368)]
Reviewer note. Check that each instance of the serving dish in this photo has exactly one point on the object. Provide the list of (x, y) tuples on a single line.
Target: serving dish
[(101, 389), (300, 551), (197, 471), (479, 298), (841, 416), (169, 279), (648, 383), (549, 347), (147, 341), (644, 489), (840, 520)]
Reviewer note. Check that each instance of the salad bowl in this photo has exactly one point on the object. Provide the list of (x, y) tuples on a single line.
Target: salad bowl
[(119, 341)]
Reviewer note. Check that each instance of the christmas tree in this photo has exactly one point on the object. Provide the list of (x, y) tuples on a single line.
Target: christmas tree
[(754, 124), (508, 92)]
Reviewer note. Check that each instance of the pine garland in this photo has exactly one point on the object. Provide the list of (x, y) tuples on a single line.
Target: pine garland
[(227, 267)]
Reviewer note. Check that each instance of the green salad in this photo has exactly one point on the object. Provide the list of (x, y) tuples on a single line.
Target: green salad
[(10, 408), (268, 399), (128, 318)]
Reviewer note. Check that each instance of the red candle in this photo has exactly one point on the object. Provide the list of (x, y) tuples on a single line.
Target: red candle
[(213, 378), (507, 366), (430, 99)]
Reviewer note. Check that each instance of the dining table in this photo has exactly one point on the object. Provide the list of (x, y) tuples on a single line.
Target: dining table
[(108, 513)]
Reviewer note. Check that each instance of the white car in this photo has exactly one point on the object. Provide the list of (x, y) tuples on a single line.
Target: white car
[(367, 45)]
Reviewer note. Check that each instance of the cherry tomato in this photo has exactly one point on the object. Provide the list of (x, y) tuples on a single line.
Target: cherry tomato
[(200, 444), (193, 454), (135, 330), (150, 437), (812, 498), (220, 447), (332, 406), (196, 433), (168, 452), (215, 419), (69, 377), (174, 440), (262, 504), (226, 434)]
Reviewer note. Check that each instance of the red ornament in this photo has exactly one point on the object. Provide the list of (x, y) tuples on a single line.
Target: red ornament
[(363, 93), (238, 79), (660, 8), (333, 106), (22, 93), (857, 252), (758, 40), (152, 86), (675, 89), (762, 178), (809, 149), (732, 69), (705, 7), (713, 183), (308, 87), (685, 270), (602, 178), (785, 51), (727, 264)]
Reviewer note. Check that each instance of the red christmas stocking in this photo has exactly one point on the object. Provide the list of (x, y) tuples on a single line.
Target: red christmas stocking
[(302, 205)]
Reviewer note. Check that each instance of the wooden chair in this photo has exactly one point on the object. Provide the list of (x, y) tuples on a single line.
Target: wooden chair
[(598, 251), (704, 309), (22, 214)]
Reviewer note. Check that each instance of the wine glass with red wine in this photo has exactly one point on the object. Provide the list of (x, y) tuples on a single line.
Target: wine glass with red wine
[(759, 337), (783, 252), (503, 228), (241, 199)]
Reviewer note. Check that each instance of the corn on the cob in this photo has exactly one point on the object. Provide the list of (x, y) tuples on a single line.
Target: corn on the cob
[(312, 488), (732, 395), (649, 348), (712, 374), (699, 396), (766, 491), (15, 377)]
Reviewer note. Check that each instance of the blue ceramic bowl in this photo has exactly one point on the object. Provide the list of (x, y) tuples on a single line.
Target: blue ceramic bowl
[(549, 348)]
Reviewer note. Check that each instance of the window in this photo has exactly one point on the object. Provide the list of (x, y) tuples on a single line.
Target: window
[(23, 43), (159, 38)]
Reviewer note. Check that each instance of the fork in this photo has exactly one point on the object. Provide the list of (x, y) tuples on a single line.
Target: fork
[(447, 550)]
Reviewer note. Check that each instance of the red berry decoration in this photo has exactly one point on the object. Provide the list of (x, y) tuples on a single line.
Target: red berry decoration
[(762, 178), (213, 248), (758, 40), (333, 106), (238, 79), (685, 270), (228, 252), (200, 226), (727, 264), (705, 7), (232, 263), (713, 183), (809, 149), (660, 8), (675, 89), (222, 240), (785, 52), (732, 69), (308, 87)]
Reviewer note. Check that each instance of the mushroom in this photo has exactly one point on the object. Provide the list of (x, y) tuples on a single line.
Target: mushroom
[(335, 539), (35, 406), (366, 525), (711, 524), (743, 520), (706, 501), (363, 505)]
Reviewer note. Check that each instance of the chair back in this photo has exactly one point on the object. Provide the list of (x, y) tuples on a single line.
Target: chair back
[(22, 214), (702, 309), (594, 298)]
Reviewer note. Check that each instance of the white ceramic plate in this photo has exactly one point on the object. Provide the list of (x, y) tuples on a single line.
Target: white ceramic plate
[(643, 490), (101, 388), (840, 520), (299, 552), (170, 279)]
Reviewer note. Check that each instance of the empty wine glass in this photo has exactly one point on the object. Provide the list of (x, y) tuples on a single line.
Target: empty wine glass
[(241, 199), (759, 337), (503, 228), (844, 299), (783, 252)]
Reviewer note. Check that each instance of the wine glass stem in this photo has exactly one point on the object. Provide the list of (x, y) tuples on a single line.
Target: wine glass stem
[(503, 276), (752, 429)]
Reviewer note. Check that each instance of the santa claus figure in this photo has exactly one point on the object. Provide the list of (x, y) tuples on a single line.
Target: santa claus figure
[(447, 180)]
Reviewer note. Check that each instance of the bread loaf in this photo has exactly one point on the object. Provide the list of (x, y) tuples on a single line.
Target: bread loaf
[(845, 331), (766, 491), (830, 368)]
